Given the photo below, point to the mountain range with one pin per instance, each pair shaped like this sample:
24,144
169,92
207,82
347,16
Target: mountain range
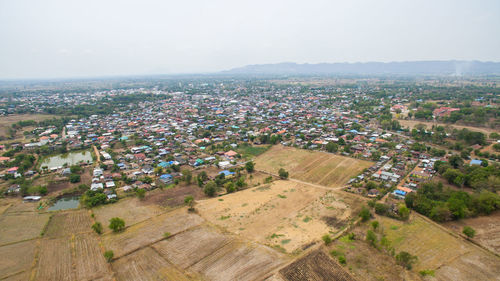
451,67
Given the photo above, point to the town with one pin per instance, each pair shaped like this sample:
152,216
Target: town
214,158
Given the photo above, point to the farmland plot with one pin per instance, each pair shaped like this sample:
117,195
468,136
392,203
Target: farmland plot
239,261
150,231
316,266
144,265
89,259
311,166
16,227
54,260
131,210
68,223
283,213
16,258
452,258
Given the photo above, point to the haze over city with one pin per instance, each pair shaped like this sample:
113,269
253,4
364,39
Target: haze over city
58,39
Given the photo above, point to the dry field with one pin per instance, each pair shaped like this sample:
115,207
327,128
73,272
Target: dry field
16,258
69,223
283,213
54,260
412,123
316,266
144,265
311,166
7,121
131,210
450,257
20,226
150,231
173,197
89,259
487,230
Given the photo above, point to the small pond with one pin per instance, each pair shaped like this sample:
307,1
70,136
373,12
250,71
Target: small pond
71,158
66,202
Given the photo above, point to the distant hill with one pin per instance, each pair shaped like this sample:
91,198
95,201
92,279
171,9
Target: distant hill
455,68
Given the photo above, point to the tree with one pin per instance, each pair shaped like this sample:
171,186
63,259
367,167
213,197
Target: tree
404,212
375,225
73,178
381,208
327,239
187,176
140,193
108,255
210,188
364,214
283,173
469,231
116,224
249,166
332,147
97,227
406,259
75,169
371,238
189,201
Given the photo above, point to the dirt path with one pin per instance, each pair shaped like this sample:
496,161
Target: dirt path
96,151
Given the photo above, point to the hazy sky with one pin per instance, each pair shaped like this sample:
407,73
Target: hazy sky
70,38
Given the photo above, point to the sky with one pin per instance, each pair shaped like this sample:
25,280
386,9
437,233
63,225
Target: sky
88,38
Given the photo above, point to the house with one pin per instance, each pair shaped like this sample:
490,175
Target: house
166,178
227,174
475,162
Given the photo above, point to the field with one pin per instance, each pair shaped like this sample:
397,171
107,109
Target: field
69,223
132,210
252,151
20,226
284,213
316,266
150,231
16,258
173,197
7,121
451,257
412,123
487,230
311,166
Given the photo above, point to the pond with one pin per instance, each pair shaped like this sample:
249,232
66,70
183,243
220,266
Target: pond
66,202
71,158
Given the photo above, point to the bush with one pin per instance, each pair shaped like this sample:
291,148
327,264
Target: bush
74,178
166,234
109,255
189,201
97,227
116,224
342,260
210,188
374,225
371,238
404,212
381,209
140,193
282,173
406,259
250,166
427,272
365,214
469,231
327,239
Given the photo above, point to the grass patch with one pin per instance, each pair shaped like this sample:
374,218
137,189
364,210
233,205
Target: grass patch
285,241
281,196
224,217
307,219
249,151
427,272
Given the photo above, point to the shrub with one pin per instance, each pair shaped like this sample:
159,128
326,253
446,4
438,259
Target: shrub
342,260
210,188
97,227
250,166
469,231
109,255
381,209
371,238
73,178
189,201
140,193
374,225
327,239
166,234
116,224
365,214
406,259
282,173
427,272
404,212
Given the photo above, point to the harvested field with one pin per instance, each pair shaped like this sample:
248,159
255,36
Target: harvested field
68,223
438,250
150,231
283,213
311,166
23,276
316,266
89,259
239,261
173,197
189,247
411,124
21,206
54,260
487,230
146,264
16,258
131,210
7,121
16,227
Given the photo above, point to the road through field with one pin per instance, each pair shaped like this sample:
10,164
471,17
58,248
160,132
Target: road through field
304,182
